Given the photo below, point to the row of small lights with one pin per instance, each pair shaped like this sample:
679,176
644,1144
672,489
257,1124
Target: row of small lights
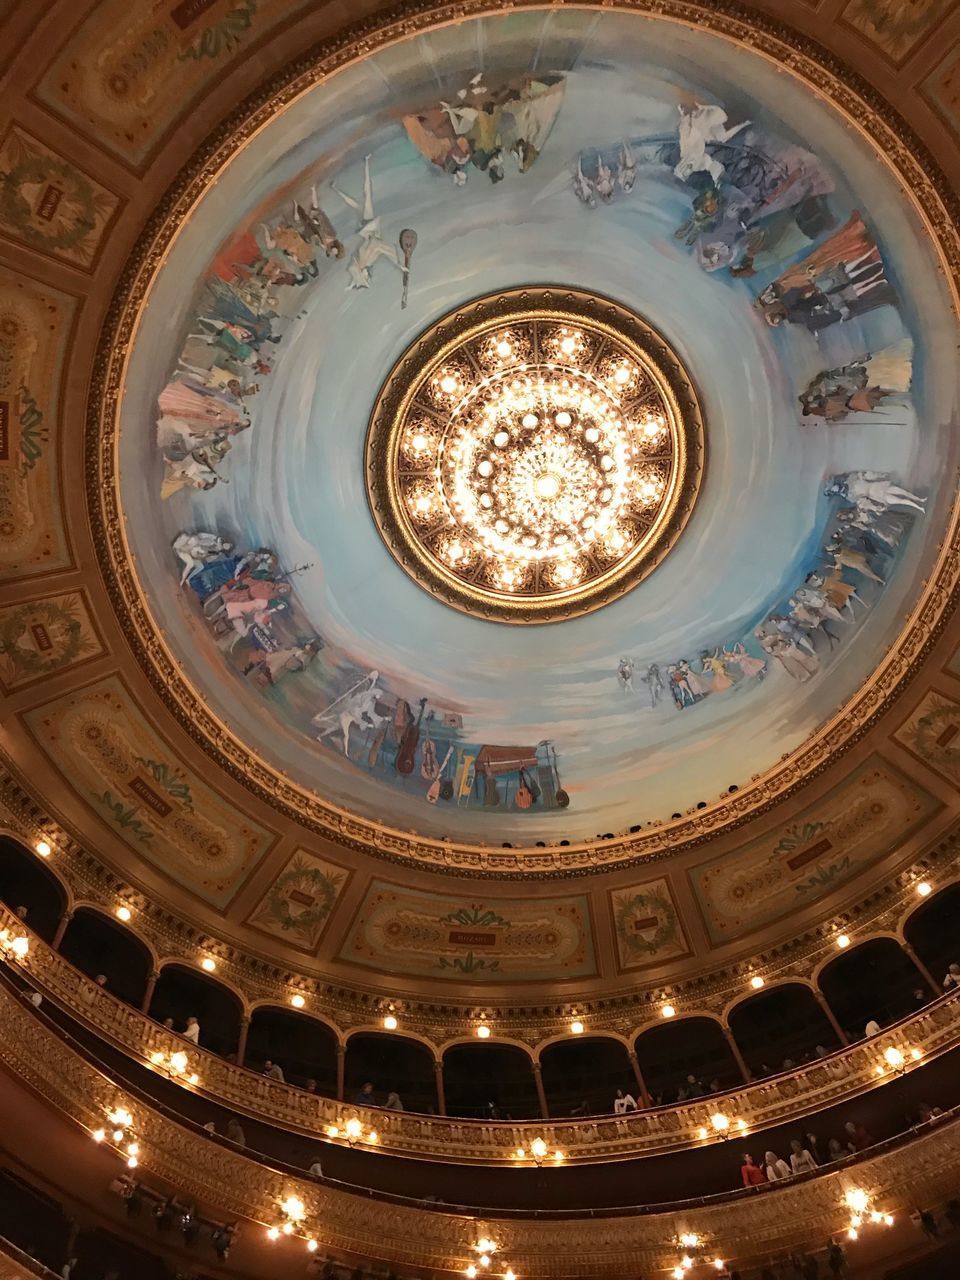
483,1029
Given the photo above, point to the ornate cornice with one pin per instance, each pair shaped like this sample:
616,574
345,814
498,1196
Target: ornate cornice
844,1075
856,101
748,1228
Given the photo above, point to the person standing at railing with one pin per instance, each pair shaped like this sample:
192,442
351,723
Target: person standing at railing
623,1103
192,1031
751,1174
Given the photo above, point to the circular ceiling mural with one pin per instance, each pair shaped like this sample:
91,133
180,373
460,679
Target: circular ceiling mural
534,455
666,169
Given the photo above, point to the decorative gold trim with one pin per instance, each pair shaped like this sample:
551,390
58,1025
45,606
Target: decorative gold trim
519,308
787,1097
749,1228
922,182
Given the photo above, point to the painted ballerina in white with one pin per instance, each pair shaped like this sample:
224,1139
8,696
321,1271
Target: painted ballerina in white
372,244
700,125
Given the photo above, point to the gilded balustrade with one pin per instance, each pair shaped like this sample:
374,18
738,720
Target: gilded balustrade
746,1227
790,1096
15,1265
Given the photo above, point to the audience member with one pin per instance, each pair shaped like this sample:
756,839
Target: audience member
192,1031
835,1150
235,1132
857,1137
774,1167
316,1169
273,1070
751,1174
168,1024
951,978
929,1224
393,1102
364,1096
310,1086
836,1259
623,1103
222,1238
801,1161
872,1028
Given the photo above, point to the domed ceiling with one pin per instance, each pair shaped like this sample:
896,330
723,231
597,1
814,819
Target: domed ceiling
666,171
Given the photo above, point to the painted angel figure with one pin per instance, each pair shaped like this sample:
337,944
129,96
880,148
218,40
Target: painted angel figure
372,244
701,124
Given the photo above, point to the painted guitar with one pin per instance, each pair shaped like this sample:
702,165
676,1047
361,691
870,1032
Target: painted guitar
407,751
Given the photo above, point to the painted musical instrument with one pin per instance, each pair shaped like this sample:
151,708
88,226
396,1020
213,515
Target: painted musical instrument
441,786
407,751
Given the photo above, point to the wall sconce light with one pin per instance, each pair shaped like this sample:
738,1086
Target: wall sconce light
667,1011
483,1031
297,1001
539,1152
924,888
390,1022
124,913
208,964
576,1027
352,1131
843,941
756,982
44,848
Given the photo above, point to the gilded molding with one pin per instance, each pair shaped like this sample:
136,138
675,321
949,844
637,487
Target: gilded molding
748,1228
932,1031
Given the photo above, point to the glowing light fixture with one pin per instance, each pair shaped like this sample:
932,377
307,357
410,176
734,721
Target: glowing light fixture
483,1031
390,1022
576,1027
756,982
297,1001
667,1011
843,941
924,888
689,1239
312,1246
294,1208
98,1135
20,947
43,848
124,913
273,1233
720,1122
208,964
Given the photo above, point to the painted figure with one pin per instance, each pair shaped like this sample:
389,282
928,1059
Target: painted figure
372,245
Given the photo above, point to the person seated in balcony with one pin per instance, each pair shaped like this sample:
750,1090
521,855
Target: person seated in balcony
857,1138
90,990
788,1064
695,1088
310,1086
623,1103
364,1096
928,1113
872,1028
316,1169
581,1109
167,1024
775,1168
393,1102
751,1174
801,1161
273,1071
836,1150
951,978
821,1051
234,1132
813,1147
191,1031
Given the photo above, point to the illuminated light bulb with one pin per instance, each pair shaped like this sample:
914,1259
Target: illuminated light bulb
509,1275
563,419
390,1022
843,941
689,1239
485,468
719,1263
686,1262
591,435
118,1135
888,1219
353,1127
178,1061
483,1031
756,982
156,1058
741,1125
558,1157
132,1162
98,1135
311,1246
448,384
287,1228
924,889
519,1153
332,1130
485,1245
194,1079
419,442
484,1260
546,486
893,1057
568,346
20,947
916,1055
208,964
853,1234
667,1011
43,848
876,1216
857,1200
294,1208
720,1122
701,1133
273,1233
677,1273
124,913
539,1148
297,1001
504,349
470,1271
133,1149
373,1137
577,1028
530,420
622,375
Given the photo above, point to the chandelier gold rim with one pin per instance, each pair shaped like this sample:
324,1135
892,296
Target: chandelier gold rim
553,304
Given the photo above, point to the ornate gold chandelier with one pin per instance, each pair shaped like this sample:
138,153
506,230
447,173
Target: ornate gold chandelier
534,455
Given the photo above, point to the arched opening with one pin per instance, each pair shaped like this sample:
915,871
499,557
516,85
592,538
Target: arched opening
581,1076
96,944
304,1048
29,888
489,1080
392,1064
183,993
671,1053
932,931
875,981
781,1027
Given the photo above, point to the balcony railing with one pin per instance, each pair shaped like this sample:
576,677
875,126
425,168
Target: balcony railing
790,1096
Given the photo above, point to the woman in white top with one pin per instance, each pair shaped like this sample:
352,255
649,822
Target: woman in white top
192,1031
775,1167
801,1161
624,1102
